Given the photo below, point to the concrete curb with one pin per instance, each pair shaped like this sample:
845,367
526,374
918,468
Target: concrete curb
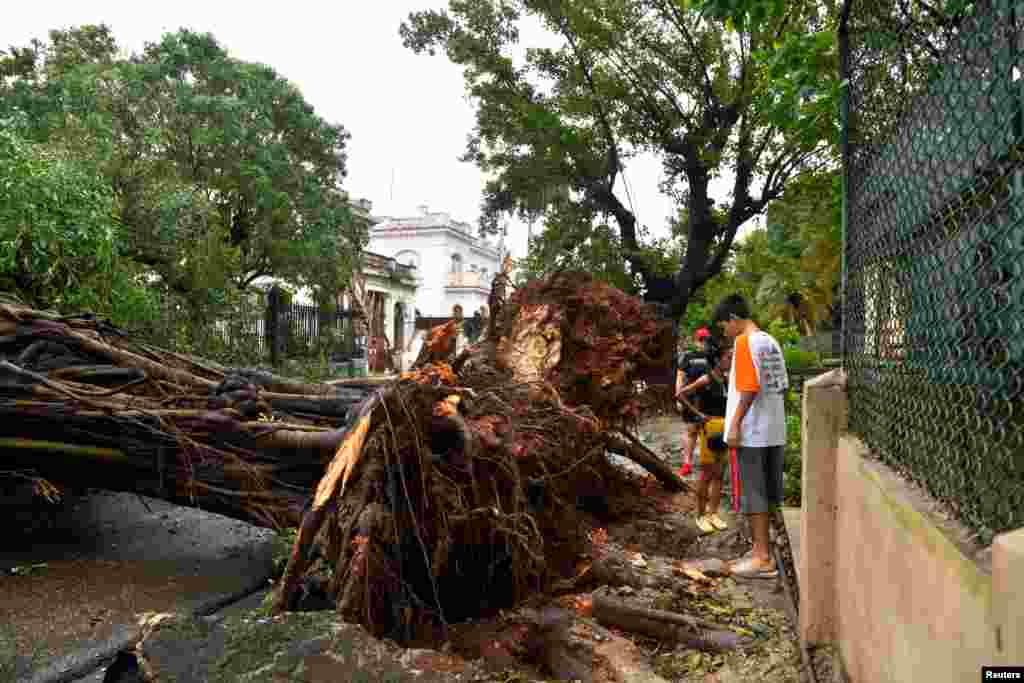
82,663
86,661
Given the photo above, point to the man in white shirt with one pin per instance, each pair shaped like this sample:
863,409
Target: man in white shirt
755,422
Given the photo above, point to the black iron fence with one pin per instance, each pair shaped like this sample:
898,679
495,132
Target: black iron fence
258,328
933,315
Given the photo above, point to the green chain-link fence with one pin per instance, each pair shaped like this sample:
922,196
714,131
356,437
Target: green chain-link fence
933,310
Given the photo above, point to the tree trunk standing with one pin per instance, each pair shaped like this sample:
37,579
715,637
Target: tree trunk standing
669,83
195,335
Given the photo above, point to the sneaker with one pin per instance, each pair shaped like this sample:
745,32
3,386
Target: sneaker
705,525
717,521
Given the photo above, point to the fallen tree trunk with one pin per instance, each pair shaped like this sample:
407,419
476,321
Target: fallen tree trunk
614,570
632,448
694,633
81,403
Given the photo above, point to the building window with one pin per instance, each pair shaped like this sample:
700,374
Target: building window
456,263
408,258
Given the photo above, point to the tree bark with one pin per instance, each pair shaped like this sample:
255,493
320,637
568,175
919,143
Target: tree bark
648,459
694,633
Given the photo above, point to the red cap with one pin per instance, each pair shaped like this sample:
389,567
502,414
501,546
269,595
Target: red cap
702,333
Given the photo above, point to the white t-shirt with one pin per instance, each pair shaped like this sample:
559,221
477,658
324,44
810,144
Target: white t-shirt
758,365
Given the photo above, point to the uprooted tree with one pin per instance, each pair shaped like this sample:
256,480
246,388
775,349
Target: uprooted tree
460,486
457,488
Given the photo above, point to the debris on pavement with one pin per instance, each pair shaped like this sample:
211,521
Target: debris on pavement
467,514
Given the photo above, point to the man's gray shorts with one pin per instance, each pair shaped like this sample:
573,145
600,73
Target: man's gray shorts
760,471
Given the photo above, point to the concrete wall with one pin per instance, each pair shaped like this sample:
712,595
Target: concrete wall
883,578
433,261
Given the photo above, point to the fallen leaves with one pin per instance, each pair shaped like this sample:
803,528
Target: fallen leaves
582,567
693,575
441,339
584,605
27,569
432,374
47,490
638,560
448,406
488,428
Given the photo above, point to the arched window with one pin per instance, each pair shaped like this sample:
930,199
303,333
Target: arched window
456,263
408,258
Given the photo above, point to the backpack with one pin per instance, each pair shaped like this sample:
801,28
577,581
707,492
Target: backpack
694,365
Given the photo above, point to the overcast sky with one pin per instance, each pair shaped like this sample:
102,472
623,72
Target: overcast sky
408,114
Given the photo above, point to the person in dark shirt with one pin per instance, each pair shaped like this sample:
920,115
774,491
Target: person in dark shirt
691,366
706,398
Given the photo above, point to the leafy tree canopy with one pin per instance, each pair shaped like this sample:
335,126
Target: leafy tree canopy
790,269
629,77
60,244
220,171
896,49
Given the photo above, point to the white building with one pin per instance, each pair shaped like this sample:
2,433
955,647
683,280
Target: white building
452,266
387,290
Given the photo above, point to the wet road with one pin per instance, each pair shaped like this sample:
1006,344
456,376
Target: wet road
108,558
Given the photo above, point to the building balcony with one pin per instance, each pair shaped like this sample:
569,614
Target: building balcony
470,279
387,267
